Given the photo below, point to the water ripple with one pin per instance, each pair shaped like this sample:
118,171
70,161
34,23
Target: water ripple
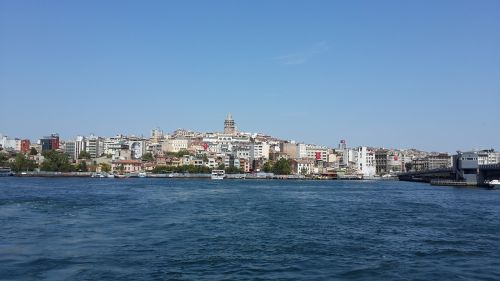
165,229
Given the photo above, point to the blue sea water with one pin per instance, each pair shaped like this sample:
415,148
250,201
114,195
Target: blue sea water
168,229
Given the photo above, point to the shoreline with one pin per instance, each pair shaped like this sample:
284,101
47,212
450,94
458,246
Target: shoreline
187,176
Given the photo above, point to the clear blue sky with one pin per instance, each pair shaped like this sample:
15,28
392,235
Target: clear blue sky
422,74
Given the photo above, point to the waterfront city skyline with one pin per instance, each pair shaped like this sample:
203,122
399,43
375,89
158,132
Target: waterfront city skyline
387,74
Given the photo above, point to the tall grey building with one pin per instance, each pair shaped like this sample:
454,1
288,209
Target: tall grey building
94,146
70,148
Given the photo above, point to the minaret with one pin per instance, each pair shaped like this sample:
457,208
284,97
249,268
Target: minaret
229,125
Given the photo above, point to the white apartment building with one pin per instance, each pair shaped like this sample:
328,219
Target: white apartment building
110,145
259,150
313,151
18,145
365,161
348,157
9,144
486,157
117,148
80,145
332,158
73,148
304,167
153,148
226,138
243,153
301,150
394,162
212,163
176,145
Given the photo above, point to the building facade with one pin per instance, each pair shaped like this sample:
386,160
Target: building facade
175,145
487,157
94,146
365,161
50,142
25,146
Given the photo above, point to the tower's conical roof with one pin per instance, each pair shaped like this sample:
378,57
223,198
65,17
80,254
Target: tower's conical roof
229,116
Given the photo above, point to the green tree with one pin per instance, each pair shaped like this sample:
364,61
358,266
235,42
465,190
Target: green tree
182,153
84,155
282,167
267,167
161,169
23,164
191,169
82,167
233,170
56,161
33,151
408,166
148,157
105,167
178,154
4,157
204,170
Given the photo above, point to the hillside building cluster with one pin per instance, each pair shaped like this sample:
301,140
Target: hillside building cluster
247,152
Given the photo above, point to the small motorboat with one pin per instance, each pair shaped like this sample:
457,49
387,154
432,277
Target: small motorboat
494,184
98,175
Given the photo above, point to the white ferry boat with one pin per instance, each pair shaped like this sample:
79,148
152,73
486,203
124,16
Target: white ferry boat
5,172
218,174
142,175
